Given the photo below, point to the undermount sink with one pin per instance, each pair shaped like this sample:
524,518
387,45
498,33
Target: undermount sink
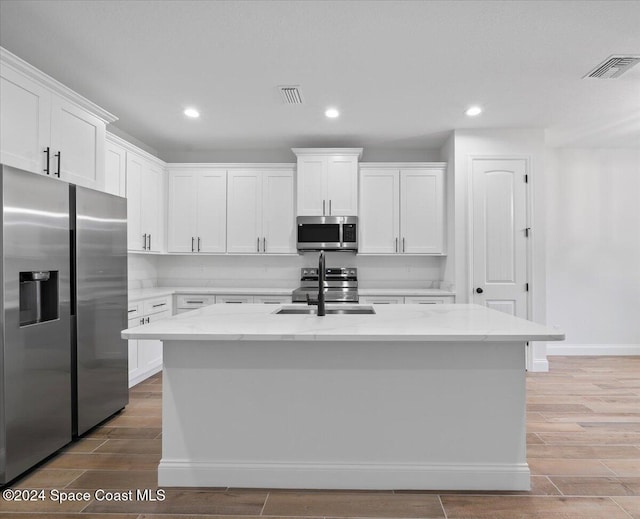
312,310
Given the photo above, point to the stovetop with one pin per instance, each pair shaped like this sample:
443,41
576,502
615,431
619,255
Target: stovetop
340,285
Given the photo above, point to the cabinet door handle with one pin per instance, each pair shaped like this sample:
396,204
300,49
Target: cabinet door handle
323,204
59,154
47,153
142,320
144,241
148,320
329,207
264,245
396,244
192,240
149,248
258,244
198,243
403,244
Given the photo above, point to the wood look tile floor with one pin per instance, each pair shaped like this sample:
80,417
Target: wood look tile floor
583,441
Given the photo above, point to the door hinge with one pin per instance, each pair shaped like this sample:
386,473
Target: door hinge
526,179
527,230
526,287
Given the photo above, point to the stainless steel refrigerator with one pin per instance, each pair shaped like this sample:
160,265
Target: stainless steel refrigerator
63,365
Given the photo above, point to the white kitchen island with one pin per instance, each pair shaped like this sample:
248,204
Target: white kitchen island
413,397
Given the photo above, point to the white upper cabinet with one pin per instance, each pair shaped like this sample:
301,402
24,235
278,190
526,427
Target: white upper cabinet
145,193
197,210
78,142
115,169
47,128
401,209
25,121
327,181
260,213
379,220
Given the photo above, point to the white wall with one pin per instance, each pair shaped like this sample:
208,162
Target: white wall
503,143
593,250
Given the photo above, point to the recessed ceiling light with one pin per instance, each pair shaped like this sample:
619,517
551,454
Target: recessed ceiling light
192,112
332,113
473,111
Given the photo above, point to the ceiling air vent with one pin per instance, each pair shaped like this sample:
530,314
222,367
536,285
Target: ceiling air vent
290,95
613,67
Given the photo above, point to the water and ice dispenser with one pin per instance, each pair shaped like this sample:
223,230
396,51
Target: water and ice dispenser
38,297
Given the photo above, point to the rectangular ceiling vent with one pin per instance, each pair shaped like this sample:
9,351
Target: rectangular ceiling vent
291,95
613,67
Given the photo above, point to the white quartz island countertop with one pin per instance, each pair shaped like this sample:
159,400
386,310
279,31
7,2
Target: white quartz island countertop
460,323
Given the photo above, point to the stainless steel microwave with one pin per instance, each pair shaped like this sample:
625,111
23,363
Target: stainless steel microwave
327,233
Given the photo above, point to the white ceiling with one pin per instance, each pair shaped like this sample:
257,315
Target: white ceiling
401,72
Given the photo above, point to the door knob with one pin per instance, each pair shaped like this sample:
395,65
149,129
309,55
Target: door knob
479,290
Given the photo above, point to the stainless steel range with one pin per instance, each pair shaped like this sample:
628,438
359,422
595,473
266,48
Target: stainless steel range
340,286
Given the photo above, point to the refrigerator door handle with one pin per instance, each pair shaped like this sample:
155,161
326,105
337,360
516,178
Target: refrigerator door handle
72,273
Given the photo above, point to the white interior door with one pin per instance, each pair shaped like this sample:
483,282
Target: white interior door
499,249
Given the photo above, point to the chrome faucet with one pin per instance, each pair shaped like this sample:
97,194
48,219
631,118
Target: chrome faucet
321,277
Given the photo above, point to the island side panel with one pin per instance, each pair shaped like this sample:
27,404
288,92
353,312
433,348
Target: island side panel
332,414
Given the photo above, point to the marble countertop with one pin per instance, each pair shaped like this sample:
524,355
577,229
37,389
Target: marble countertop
253,322
148,293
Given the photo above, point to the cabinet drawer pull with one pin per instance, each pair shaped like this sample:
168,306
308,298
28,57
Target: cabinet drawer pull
159,304
129,311
195,302
234,302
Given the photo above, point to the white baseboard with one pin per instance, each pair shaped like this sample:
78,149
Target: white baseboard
540,365
592,349
185,473
136,379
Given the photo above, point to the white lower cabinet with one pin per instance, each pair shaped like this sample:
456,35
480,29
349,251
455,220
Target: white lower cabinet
409,300
231,299
272,300
382,300
145,356
187,302
429,300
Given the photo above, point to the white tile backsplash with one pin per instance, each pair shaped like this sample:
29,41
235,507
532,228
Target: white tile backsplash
284,271
142,272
